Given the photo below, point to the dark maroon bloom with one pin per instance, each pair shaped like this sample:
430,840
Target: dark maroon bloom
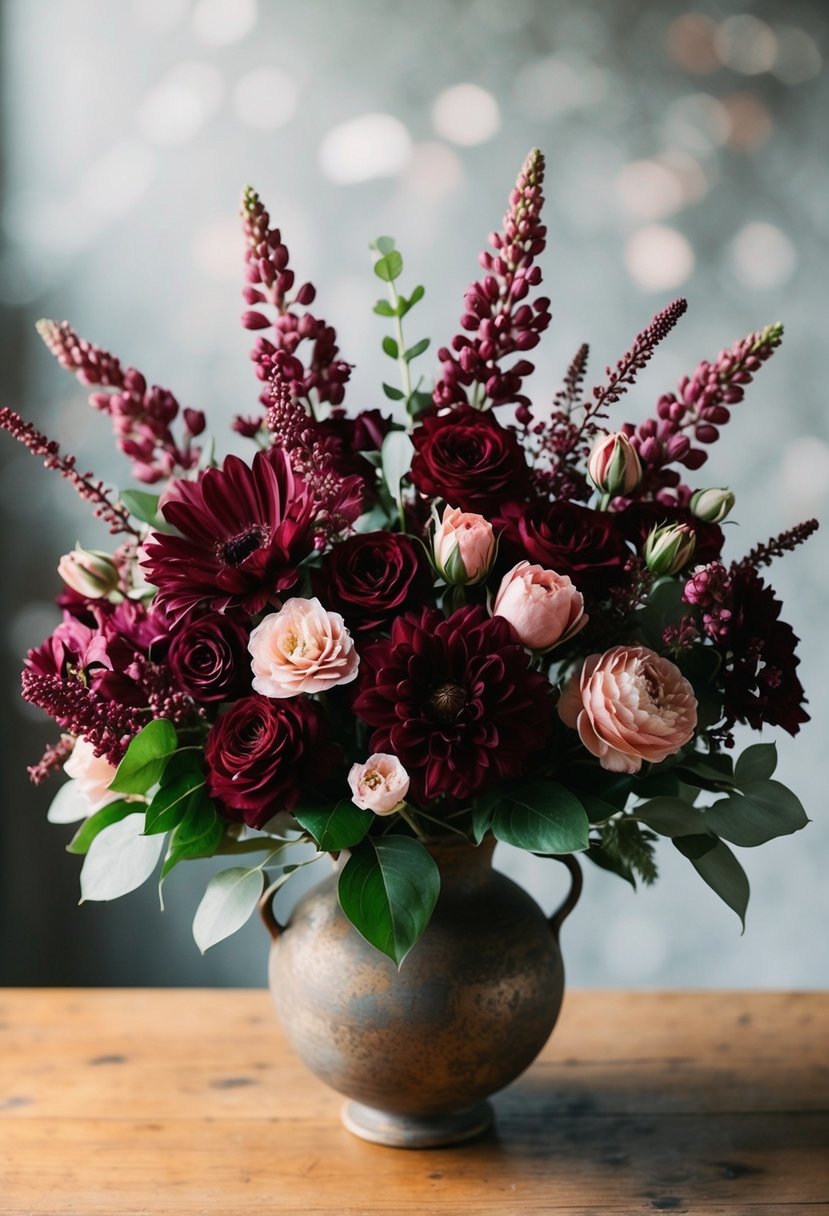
455,700
263,755
467,458
760,680
587,545
209,658
244,530
347,438
373,577
637,519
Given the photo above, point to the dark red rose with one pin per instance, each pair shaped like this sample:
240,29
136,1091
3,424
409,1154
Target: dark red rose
469,459
587,545
209,659
372,578
637,519
263,755
455,700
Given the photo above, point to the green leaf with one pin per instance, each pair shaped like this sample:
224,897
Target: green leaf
597,809
725,876
672,817
763,811
111,813
119,859
756,763
393,394
389,267
418,402
541,816
482,812
407,304
695,846
614,865
383,244
337,827
172,803
390,347
145,758
198,835
388,890
229,900
417,349
384,309
144,506
396,456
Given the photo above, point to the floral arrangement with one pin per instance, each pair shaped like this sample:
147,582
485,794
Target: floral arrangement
493,618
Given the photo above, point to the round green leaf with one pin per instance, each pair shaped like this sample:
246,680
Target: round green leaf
388,890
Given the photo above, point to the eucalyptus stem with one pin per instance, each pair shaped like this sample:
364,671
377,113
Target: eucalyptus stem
405,370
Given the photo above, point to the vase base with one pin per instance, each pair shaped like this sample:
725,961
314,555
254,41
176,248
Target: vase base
417,1131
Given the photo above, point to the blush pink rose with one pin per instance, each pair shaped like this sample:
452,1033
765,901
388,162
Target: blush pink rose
301,648
464,546
92,774
379,785
544,608
630,705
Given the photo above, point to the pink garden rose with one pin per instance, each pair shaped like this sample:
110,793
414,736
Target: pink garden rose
379,785
301,648
92,774
544,608
630,705
464,546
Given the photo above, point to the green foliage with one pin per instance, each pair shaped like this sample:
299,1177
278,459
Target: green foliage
145,758
671,817
89,829
721,870
396,458
388,267
119,859
541,816
144,506
173,802
763,811
756,763
337,827
630,847
388,889
228,902
199,834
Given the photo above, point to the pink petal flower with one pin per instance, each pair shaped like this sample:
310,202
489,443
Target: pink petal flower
379,785
544,608
301,648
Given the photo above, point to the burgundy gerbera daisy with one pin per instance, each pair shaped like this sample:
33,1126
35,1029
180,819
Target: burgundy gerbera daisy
243,531
455,700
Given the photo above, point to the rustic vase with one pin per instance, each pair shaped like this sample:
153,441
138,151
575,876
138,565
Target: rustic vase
418,1051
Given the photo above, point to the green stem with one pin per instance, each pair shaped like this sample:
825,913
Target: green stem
405,371
410,820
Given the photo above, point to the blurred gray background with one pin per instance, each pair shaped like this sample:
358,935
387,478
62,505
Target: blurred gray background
686,154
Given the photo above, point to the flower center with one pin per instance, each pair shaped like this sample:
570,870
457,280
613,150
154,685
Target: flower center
446,702
234,550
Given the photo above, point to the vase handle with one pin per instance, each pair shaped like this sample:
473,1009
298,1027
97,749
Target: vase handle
267,913
576,882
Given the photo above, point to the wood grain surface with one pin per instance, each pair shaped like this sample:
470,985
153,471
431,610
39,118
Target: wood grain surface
188,1102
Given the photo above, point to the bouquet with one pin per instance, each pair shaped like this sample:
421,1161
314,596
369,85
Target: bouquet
461,611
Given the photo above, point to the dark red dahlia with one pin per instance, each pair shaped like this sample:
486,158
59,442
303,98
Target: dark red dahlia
263,755
587,545
243,531
467,458
373,577
455,700
760,678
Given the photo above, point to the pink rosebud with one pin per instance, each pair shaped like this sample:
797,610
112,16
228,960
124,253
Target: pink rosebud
630,705
92,774
669,548
613,464
379,785
464,547
712,506
89,572
301,648
544,608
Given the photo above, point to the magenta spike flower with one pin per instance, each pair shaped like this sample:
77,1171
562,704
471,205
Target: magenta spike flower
499,321
106,724
318,375
244,529
141,416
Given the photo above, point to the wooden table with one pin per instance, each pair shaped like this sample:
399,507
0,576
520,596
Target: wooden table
188,1102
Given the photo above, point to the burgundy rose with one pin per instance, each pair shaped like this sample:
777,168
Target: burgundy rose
456,701
587,545
637,519
467,458
209,659
262,755
371,578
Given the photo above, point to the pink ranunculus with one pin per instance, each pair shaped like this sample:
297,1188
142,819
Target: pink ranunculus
92,773
630,705
464,546
379,785
544,608
301,648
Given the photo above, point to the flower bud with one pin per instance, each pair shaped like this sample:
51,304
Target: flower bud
89,572
712,506
613,464
463,547
544,608
379,785
669,548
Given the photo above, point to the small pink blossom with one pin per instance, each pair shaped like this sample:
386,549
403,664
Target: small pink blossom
630,705
613,464
89,572
91,773
379,785
544,608
301,648
464,546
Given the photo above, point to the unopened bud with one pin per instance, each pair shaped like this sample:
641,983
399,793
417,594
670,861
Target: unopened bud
613,465
669,548
712,506
89,572
463,547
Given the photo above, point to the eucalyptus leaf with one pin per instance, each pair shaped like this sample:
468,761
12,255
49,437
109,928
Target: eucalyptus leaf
383,244
725,876
389,267
396,456
228,902
119,859
672,817
145,758
756,763
111,813
762,812
337,827
390,347
384,309
417,349
393,394
69,804
542,817
388,889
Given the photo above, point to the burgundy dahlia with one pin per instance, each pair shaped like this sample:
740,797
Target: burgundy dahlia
587,545
373,577
455,700
209,658
467,458
244,529
263,755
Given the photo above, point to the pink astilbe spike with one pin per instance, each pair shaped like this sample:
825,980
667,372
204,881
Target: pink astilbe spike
499,321
314,373
106,724
85,485
141,415
53,758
